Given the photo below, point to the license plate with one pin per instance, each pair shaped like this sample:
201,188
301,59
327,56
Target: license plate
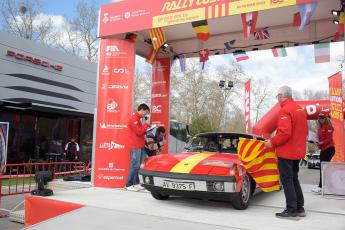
178,185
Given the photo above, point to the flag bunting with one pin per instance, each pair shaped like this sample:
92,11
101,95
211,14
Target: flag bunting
261,34
260,162
201,30
132,37
240,55
249,22
321,52
306,12
230,44
279,52
157,36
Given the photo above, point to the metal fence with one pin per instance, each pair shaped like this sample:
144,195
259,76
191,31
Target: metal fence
19,178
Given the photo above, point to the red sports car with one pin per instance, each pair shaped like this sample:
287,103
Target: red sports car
208,169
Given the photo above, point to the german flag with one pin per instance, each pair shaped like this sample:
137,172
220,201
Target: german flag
201,30
157,36
260,162
152,55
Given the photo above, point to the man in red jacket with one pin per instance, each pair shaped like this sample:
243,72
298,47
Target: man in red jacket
290,144
137,129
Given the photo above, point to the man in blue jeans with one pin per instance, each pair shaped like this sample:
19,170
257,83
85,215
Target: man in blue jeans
138,124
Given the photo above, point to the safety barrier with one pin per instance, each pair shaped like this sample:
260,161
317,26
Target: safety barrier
19,178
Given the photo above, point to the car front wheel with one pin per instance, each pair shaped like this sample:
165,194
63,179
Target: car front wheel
159,196
241,201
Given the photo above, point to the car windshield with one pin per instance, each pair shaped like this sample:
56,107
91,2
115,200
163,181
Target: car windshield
213,144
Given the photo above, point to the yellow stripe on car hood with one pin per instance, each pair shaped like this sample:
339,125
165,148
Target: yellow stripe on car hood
186,165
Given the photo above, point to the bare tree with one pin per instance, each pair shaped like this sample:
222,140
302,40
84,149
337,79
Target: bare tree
261,92
23,19
142,84
83,30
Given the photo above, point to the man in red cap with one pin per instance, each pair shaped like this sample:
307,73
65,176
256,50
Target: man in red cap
290,143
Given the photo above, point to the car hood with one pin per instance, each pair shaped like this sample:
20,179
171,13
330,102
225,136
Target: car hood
193,163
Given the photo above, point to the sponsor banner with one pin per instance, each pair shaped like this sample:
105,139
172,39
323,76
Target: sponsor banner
336,106
247,105
4,126
135,15
115,86
160,107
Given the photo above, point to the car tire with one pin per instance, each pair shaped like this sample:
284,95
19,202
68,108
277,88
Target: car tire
159,196
241,200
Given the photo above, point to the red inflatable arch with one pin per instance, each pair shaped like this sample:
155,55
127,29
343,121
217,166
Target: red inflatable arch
268,123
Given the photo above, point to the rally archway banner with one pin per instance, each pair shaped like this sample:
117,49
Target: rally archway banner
114,107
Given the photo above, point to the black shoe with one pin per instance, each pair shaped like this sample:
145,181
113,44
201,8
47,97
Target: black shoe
301,212
287,215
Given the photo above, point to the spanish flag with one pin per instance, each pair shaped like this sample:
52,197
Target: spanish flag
157,36
152,55
201,30
260,162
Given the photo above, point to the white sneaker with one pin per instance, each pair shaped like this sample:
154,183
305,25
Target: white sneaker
317,190
139,187
132,188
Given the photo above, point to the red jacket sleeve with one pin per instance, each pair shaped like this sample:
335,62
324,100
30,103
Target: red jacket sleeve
284,129
136,126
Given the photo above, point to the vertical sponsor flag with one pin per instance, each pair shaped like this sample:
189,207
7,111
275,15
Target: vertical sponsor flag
279,52
261,34
249,22
160,91
240,55
306,12
260,162
114,106
321,52
151,57
157,36
336,105
201,30
229,44
247,105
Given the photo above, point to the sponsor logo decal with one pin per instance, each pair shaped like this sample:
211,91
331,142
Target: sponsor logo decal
157,109
105,70
158,95
111,145
111,126
111,106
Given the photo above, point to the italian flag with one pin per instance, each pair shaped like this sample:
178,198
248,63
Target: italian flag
321,53
279,52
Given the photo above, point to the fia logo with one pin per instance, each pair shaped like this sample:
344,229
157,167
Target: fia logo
112,50
105,18
111,106
157,109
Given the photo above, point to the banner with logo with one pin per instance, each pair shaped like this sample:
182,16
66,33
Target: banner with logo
160,96
247,105
336,106
4,126
114,106
134,15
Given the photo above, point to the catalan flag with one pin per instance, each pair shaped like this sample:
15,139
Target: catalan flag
201,30
157,36
260,162
152,55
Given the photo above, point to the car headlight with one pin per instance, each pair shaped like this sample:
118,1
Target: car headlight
218,186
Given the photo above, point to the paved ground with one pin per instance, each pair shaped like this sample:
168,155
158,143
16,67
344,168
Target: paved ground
307,176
